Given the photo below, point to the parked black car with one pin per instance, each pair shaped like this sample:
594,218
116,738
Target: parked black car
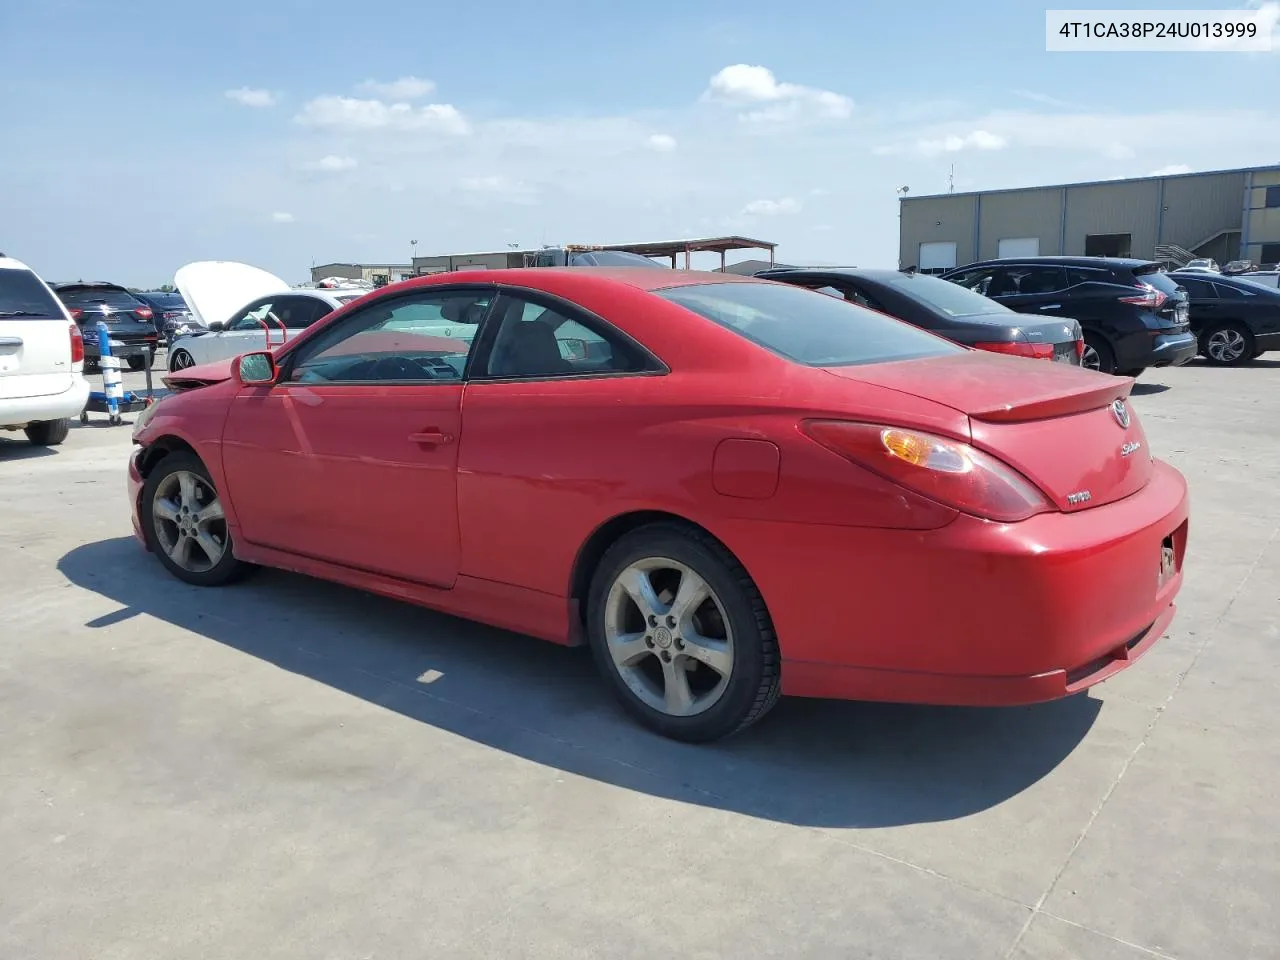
1234,319
1134,316
944,308
129,320
170,313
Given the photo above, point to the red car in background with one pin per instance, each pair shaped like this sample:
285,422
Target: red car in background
730,488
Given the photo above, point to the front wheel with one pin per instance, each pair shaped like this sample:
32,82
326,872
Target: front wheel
180,360
1227,345
183,521
48,433
681,634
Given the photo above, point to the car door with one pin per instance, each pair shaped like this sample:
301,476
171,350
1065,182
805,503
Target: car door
1202,296
1259,311
556,397
351,456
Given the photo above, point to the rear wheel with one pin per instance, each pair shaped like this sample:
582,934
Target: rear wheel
1098,354
181,360
48,433
137,363
681,634
183,521
1227,344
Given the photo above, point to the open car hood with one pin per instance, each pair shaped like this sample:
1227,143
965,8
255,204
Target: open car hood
216,289
203,375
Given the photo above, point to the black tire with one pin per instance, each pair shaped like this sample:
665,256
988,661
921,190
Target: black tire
1135,372
755,678
1106,362
179,360
228,569
1245,340
48,433
137,363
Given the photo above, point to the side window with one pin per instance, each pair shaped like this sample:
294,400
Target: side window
862,298
1031,280
1230,293
251,318
534,340
422,337
1079,275
298,313
979,281
1198,289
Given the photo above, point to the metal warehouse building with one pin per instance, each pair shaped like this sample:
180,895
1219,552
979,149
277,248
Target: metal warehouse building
1223,214
374,273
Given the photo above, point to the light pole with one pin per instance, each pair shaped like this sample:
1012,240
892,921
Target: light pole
413,252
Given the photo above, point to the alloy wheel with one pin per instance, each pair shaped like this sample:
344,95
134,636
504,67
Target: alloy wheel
669,637
1225,345
1090,359
181,360
189,523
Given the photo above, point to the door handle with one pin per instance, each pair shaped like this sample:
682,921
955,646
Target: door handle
430,437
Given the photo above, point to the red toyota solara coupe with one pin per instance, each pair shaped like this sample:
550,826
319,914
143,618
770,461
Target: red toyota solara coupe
729,488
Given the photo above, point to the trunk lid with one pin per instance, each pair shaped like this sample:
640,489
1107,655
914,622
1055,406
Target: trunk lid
1068,430
35,337
216,289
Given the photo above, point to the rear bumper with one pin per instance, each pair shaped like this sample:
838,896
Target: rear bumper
20,411
974,613
1173,350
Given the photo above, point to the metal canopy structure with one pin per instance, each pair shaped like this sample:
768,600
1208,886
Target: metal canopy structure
673,248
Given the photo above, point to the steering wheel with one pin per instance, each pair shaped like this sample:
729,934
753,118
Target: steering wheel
395,368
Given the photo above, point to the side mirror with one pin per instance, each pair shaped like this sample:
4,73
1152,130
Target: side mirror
217,325
255,369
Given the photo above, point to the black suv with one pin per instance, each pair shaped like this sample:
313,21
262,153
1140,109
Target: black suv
129,321
1133,314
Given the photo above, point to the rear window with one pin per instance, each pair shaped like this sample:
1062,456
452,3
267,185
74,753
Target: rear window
24,297
116,297
1156,276
950,298
806,326
166,301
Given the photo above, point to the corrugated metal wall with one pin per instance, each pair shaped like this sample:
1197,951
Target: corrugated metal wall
1131,208
932,219
1183,210
1022,213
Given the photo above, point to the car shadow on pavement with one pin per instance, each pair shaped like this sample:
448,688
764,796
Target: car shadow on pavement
12,451
1147,389
813,763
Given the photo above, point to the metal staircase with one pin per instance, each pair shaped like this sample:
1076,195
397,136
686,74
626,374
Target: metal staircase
1173,255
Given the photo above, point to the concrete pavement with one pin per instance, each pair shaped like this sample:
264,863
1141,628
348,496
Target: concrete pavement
291,769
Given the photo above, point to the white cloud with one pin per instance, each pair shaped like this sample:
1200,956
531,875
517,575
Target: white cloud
771,208
1172,170
249,97
281,217
977,140
1268,20
773,101
332,163
406,88
661,142
499,188
350,113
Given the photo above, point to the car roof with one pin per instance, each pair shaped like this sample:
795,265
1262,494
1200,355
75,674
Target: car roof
879,274
567,278
1059,261
9,263
88,285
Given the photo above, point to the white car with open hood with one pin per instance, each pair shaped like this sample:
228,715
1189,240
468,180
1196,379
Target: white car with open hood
245,309
42,382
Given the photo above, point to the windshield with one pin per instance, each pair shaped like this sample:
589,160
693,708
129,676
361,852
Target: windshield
806,326
951,298
165,301
24,297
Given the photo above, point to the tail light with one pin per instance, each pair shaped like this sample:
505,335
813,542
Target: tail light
1080,348
77,344
948,471
143,313
76,312
1151,298
1037,351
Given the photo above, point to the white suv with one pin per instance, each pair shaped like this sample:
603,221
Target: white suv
42,381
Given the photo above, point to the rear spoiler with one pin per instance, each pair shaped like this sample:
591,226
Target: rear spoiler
1058,406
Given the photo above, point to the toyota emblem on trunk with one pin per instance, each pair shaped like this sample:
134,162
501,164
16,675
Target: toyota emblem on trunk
1121,413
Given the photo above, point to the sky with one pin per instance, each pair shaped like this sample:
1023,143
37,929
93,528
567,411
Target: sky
139,135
